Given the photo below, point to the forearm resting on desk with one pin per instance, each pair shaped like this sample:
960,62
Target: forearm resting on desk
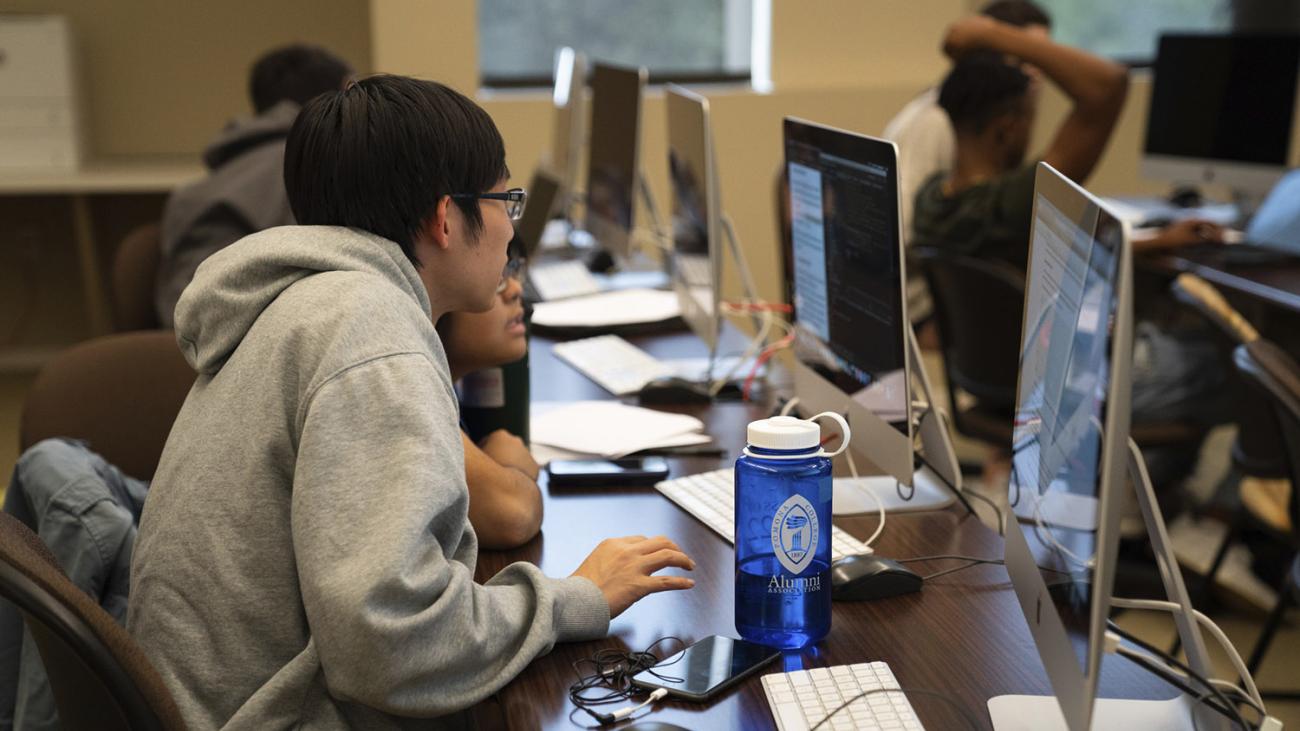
505,505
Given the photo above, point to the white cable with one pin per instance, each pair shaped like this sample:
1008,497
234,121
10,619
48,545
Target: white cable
1206,622
853,470
756,345
1040,528
789,406
623,713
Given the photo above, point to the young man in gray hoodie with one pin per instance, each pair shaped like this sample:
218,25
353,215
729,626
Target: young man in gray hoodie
305,556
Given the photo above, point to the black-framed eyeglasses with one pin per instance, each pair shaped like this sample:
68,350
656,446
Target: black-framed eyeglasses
514,270
515,199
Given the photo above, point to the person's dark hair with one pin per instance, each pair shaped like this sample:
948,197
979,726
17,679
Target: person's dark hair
981,87
295,73
1019,13
379,155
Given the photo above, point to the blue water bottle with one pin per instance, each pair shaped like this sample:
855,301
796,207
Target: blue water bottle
783,532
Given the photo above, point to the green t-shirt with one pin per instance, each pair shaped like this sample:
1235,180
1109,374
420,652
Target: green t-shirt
990,220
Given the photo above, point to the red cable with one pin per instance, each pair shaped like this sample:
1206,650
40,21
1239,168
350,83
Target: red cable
763,357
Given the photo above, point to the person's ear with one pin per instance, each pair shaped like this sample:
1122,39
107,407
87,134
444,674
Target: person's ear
438,225
1002,130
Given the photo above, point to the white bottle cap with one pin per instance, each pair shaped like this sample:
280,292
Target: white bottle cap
784,432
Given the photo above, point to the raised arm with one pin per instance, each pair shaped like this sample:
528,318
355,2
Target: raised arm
1096,87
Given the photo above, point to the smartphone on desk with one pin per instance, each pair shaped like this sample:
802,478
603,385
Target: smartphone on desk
606,472
706,668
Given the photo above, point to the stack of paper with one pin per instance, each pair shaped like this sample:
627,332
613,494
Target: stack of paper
607,429
608,309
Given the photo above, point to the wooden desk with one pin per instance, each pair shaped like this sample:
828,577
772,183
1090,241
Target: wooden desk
1276,284
963,635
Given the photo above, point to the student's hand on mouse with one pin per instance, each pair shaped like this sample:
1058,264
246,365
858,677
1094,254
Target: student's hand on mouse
509,450
1187,232
968,34
623,569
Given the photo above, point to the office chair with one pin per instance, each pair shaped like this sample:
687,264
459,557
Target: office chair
99,676
1270,370
1257,451
977,309
121,393
135,271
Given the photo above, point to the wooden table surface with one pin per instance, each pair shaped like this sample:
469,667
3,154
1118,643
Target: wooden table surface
963,634
1275,283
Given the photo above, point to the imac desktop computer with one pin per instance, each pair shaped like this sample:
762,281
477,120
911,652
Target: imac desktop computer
569,101
1223,110
694,262
854,349
1070,452
612,172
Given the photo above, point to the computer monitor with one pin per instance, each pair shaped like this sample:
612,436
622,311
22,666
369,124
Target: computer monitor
694,260
543,190
612,155
1070,433
850,315
1072,461
567,134
1223,109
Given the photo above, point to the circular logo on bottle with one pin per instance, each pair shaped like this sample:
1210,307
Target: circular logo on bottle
794,534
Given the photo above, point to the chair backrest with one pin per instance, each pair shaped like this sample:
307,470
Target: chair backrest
99,676
121,393
977,307
135,272
1276,374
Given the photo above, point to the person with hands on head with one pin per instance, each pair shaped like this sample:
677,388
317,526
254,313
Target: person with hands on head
983,208
922,130
305,558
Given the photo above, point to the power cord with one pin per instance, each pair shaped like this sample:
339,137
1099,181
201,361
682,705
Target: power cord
1149,664
1223,705
963,710
1238,664
957,492
611,678
971,561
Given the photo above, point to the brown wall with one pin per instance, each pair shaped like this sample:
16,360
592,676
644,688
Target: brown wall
161,76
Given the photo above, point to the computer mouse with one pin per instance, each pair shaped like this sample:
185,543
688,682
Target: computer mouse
1185,197
600,261
673,390
862,578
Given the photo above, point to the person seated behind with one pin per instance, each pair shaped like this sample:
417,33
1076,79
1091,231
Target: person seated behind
982,207
505,504
304,556
922,130
244,190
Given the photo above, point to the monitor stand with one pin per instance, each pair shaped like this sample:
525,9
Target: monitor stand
930,484
1042,713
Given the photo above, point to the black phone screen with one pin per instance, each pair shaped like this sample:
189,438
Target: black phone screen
706,666
631,471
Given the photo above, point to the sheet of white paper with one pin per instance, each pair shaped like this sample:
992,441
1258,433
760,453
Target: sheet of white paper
543,453
681,440
608,427
621,307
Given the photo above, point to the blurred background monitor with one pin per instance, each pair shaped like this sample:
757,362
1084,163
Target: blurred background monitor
612,156
1223,110
695,215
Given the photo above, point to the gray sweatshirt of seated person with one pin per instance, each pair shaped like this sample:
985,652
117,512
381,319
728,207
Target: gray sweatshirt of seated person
305,556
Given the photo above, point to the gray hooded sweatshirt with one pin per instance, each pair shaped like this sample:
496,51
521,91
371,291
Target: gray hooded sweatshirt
305,556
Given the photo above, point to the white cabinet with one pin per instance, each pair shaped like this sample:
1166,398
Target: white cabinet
40,127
